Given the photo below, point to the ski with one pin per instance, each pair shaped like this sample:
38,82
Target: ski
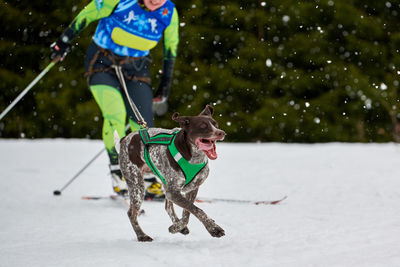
122,199
240,201
198,200
117,197
95,197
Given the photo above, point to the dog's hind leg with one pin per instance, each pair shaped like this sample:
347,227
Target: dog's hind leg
135,183
132,214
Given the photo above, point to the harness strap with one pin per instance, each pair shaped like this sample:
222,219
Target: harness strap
161,139
119,61
189,170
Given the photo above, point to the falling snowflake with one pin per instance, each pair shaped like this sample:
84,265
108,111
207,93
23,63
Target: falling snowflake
285,18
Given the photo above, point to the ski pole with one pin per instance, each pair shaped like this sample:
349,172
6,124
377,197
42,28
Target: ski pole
21,95
58,192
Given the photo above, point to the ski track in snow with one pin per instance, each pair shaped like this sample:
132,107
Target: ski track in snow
342,208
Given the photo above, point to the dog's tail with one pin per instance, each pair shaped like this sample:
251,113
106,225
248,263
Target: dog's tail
117,140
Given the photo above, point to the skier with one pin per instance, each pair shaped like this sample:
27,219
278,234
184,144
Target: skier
127,30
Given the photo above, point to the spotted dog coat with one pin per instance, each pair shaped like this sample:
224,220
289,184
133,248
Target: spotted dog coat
195,141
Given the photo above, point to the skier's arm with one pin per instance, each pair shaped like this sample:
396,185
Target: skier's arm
95,10
171,40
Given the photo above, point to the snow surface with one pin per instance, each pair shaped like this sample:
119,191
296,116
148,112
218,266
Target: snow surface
343,208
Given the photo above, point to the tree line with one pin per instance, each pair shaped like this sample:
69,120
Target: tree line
282,71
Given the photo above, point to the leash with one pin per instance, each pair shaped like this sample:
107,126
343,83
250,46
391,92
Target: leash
120,75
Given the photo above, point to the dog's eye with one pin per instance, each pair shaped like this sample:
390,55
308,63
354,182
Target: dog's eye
203,125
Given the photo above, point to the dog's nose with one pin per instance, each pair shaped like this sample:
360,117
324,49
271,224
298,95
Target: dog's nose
220,134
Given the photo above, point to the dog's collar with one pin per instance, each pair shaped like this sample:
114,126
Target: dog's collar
189,170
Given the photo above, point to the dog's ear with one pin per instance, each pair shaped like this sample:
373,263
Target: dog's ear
175,116
183,121
207,111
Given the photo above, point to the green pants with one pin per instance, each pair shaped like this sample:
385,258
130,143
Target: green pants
113,101
114,113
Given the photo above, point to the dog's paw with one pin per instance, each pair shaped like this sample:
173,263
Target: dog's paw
173,229
184,231
216,231
178,228
145,238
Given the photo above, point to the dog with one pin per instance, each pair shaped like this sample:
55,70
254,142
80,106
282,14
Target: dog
180,158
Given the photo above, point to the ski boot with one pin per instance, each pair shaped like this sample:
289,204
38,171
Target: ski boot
154,190
118,181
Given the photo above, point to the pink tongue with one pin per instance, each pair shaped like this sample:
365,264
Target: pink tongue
212,153
209,149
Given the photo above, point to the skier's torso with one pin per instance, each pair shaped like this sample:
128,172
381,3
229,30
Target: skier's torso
132,31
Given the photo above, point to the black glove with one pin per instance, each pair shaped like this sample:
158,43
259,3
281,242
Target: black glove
160,105
163,88
59,49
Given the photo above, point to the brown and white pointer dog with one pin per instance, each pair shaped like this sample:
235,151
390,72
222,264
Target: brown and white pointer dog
196,142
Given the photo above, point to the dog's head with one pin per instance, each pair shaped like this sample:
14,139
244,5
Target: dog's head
201,130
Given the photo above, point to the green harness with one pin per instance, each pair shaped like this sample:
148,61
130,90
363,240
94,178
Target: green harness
189,170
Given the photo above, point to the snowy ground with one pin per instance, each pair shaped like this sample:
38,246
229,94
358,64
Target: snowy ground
343,209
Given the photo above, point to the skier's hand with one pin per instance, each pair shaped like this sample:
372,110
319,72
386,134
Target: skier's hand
59,50
160,105
163,88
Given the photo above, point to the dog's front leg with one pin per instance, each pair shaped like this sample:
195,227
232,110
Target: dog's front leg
191,196
177,225
180,225
211,226
169,207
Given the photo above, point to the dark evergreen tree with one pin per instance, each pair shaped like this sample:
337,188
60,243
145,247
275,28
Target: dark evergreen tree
291,71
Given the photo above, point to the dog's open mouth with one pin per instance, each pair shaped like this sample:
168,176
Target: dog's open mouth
208,146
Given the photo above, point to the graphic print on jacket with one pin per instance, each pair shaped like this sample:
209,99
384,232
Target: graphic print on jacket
132,31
